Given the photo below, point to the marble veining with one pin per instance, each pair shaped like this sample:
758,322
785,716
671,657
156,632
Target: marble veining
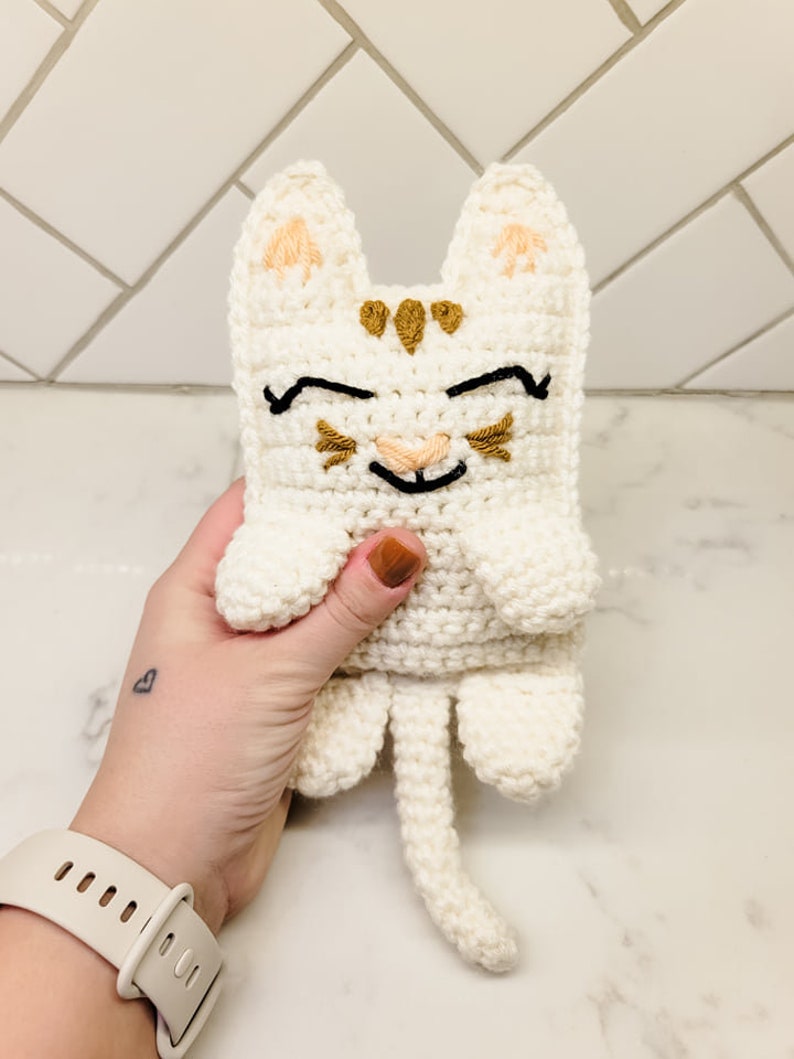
653,893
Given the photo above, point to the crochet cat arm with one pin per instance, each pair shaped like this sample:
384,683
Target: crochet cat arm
278,565
536,568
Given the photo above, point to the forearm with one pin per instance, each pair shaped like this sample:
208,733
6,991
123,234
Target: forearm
58,998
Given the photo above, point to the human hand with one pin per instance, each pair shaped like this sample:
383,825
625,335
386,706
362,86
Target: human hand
208,723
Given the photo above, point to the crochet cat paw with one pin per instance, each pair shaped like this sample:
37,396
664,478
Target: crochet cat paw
519,729
276,568
537,569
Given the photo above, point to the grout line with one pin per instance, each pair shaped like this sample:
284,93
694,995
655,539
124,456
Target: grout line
104,318
642,34
196,389
176,388
44,68
244,188
675,392
342,59
739,345
712,200
338,13
110,311
18,364
45,226
746,200
707,392
626,15
53,12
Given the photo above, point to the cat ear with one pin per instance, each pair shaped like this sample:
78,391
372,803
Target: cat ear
512,240
299,253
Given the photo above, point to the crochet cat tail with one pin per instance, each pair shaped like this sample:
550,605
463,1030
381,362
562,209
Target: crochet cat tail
420,730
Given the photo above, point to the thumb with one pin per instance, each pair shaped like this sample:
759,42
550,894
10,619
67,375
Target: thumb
378,575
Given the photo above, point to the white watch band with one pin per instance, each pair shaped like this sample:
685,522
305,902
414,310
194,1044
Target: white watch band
162,948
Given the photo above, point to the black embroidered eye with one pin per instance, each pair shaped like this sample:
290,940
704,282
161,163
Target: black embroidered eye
540,390
281,404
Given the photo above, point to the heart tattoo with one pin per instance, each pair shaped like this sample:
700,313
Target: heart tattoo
143,685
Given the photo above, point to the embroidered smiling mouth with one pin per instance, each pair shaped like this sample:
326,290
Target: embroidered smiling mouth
418,484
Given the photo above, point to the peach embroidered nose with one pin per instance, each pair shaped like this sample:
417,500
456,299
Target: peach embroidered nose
401,459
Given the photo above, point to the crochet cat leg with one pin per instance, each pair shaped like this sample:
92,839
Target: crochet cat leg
519,727
344,736
420,728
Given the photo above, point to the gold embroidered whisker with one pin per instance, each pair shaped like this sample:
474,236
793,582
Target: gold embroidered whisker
340,445
488,440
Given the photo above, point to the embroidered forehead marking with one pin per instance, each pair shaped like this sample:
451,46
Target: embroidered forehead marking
489,440
339,445
373,317
410,323
518,240
289,245
447,315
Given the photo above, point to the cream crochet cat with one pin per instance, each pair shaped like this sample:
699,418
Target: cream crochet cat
452,410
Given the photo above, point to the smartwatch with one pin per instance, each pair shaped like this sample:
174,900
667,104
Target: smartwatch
163,950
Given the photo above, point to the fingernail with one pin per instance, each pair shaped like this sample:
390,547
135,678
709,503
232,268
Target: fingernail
392,562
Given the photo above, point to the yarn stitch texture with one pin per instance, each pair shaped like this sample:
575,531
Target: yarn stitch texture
471,441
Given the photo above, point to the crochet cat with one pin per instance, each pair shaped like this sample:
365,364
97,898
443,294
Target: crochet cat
452,410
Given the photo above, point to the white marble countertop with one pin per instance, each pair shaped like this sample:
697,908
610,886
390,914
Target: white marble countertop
654,894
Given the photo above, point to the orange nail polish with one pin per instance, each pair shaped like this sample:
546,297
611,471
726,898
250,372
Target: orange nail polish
392,562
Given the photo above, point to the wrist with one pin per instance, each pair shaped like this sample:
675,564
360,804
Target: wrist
169,857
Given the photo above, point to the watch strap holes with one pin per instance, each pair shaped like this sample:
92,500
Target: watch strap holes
191,978
107,896
85,882
165,944
128,912
63,871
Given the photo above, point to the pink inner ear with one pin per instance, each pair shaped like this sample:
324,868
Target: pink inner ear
519,240
290,245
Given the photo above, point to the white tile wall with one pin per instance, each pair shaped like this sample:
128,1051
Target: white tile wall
691,107
766,363
772,190
405,212
153,111
48,297
26,35
491,71
174,331
149,111
681,306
